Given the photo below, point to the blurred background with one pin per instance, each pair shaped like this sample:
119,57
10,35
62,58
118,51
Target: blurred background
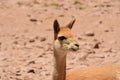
26,35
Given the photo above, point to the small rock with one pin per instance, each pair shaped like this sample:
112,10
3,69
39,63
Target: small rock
37,37
61,15
43,39
18,79
41,21
95,40
25,43
31,62
89,34
95,5
40,56
77,2
106,30
65,8
31,71
0,43
47,48
15,42
18,74
28,15
47,74
16,37
100,22
32,40
33,20
90,51
79,38
96,46
18,71
48,29
108,5
41,68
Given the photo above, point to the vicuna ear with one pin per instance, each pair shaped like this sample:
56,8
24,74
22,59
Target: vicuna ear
70,25
56,29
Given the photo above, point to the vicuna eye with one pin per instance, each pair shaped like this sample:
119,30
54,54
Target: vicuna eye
62,38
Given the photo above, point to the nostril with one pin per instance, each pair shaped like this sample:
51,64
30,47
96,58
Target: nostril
77,45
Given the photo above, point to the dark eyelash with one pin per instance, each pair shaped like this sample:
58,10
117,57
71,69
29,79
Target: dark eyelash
62,38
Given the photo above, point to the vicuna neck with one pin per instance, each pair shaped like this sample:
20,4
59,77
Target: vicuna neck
59,65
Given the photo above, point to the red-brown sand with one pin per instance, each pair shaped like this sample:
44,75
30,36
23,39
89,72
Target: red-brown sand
26,35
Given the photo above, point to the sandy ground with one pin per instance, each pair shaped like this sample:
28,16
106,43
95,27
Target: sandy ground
26,35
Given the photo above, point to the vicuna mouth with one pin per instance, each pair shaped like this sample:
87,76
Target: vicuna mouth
73,49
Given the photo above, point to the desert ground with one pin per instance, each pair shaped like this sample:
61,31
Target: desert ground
26,35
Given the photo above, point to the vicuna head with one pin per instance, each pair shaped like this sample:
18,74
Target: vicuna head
64,39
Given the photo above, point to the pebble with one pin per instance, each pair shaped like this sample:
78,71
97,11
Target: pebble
80,38
106,30
100,22
33,20
96,46
99,55
31,40
31,62
90,34
18,74
43,39
31,71
0,43
61,15
47,48
15,42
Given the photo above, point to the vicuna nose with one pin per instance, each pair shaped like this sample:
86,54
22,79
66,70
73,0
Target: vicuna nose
77,45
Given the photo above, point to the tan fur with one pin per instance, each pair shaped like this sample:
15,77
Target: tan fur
64,31
106,72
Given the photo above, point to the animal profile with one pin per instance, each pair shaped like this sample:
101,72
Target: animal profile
65,41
